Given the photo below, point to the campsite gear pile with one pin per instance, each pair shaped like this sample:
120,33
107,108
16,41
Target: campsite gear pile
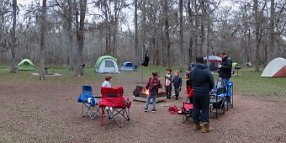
218,102
113,104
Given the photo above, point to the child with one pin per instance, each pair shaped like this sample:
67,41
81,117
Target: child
153,85
189,90
168,83
107,81
177,82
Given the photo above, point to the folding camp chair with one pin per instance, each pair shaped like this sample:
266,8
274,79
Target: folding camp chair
217,100
187,111
89,103
114,105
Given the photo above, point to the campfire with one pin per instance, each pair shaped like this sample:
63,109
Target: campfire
141,91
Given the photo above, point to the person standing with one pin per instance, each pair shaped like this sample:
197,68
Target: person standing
202,82
224,70
168,83
177,82
153,86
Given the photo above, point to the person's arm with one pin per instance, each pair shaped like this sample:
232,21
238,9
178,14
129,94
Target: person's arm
148,84
160,85
227,65
190,80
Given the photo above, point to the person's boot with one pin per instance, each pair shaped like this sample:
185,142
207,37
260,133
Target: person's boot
205,127
197,126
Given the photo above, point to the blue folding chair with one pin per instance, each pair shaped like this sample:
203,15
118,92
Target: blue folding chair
89,103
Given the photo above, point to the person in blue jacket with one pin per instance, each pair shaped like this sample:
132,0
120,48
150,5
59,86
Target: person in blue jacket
177,82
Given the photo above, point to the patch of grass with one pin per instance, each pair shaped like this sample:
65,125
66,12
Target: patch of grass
250,83
247,83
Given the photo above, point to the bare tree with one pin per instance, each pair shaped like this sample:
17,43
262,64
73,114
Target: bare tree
80,37
13,37
43,40
181,36
271,34
166,31
136,31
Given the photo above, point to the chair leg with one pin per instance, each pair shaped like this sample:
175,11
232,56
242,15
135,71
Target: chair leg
82,108
102,114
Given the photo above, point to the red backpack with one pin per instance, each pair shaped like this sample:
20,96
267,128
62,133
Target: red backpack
173,109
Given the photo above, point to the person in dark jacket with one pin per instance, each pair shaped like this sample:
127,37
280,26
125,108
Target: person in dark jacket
224,70
202,82
177,82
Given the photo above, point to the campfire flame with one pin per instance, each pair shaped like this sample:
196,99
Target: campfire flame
147,92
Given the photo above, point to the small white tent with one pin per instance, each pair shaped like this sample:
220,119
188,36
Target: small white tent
275,68
106,64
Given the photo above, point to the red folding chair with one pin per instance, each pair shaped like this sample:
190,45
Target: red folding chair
114,104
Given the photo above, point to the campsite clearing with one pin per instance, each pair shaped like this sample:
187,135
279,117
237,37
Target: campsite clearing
47,111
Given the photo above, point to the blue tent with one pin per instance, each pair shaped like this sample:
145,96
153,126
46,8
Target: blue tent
128,66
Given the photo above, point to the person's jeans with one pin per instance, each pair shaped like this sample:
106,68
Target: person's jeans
168,90
225,85
177,92
200,108
152,96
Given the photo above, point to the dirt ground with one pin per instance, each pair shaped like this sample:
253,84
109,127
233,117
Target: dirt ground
45,112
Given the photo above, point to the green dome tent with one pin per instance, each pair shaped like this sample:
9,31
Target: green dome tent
106,64
26,65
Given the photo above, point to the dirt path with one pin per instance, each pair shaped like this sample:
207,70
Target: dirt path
43,112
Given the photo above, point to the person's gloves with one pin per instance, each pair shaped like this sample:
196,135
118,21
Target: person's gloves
219,66
180,89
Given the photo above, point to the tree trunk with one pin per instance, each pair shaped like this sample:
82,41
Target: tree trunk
257,29
13,37
196,30
249,52
166,31
272,54
181,37
208,37
192,33
115,29
137,57
70,36
202,27
43,40
80,38
144,30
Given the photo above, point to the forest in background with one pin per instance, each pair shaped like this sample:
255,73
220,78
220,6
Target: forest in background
175,32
